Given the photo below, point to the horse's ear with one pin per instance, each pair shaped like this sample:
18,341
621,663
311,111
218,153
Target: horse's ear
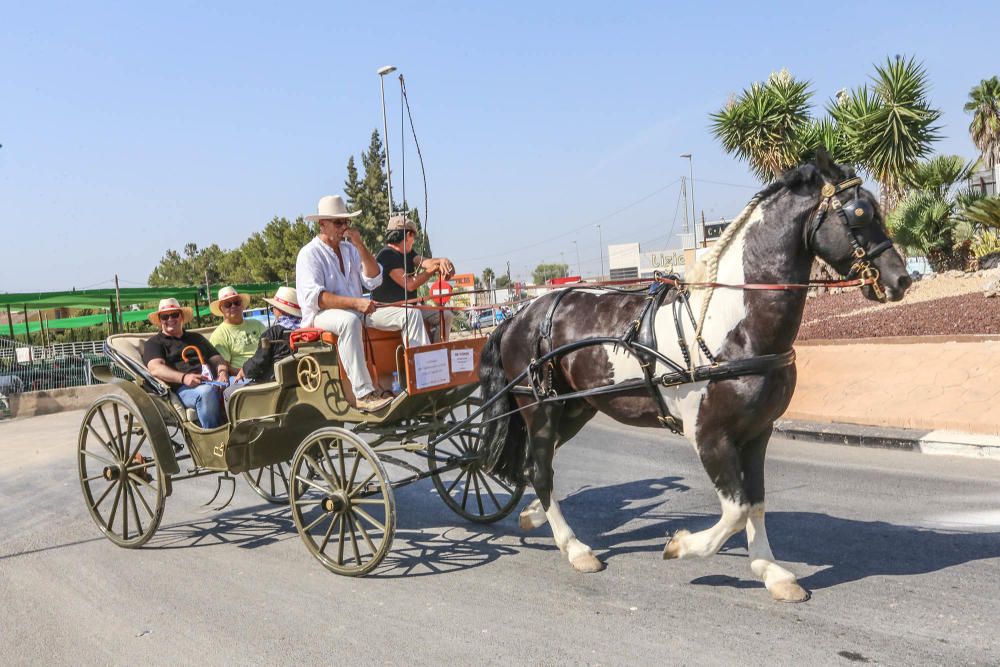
825,162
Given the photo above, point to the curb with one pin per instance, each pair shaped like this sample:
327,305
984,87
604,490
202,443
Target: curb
937,442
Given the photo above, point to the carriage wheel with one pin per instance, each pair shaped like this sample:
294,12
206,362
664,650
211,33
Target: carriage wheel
270,482
342,503
123,486
469,490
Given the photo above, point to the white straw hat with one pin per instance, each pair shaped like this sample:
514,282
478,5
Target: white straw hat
287,301
169,306
331,207
225,294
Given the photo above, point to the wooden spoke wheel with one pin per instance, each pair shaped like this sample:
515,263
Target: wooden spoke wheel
341,500
270,482
468,489
123,486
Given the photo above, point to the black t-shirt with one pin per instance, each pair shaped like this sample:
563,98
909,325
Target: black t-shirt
168,348
390,291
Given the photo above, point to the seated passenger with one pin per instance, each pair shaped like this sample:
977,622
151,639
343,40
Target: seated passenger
330,274
162,356
274,341
237,338
407,271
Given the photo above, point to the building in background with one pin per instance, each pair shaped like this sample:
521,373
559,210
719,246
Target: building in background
627,261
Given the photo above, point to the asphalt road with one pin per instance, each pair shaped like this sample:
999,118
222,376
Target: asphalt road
901,552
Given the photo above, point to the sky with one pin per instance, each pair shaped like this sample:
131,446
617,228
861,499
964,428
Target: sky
128,129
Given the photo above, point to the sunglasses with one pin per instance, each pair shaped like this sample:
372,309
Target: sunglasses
341,223
230,304
171,315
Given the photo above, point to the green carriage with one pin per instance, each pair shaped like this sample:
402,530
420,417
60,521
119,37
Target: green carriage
297,440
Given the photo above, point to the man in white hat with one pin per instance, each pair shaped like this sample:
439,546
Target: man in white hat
163,356
405,271
331,273
237,338
273,346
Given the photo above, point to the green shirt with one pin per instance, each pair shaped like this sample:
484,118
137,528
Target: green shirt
237,342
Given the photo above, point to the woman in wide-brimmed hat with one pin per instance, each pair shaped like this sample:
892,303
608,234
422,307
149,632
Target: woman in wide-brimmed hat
163,356
288,318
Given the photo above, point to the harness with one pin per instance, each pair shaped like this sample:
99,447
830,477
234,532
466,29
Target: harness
857,216
639,338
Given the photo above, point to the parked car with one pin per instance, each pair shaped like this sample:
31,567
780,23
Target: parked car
11,384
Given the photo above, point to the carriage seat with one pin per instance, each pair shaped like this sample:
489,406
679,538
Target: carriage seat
130,345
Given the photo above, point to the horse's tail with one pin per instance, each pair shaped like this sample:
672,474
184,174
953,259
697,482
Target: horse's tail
505,437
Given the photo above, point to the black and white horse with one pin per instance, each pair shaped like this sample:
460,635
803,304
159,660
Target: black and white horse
729,422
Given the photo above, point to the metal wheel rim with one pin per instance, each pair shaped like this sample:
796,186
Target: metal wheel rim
341,501
470,491
124,495
270,482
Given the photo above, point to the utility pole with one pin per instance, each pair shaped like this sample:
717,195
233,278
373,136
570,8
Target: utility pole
579,270
118,305
684,195
600,242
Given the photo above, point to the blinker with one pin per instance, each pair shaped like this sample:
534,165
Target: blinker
859,213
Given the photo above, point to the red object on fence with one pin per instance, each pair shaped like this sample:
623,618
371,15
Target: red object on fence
564,281
440,292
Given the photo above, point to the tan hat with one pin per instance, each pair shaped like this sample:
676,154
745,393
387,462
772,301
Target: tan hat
170,306
225,294
287,301
399,222
331,207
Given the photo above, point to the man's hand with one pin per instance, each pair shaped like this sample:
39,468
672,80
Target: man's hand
354,236
240,376
191,380
446,268
364,306
223,375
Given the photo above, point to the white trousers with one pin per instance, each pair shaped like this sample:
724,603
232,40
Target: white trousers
395,318
346,324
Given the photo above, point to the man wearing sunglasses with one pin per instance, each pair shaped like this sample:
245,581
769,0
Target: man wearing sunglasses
331,274
163,356
237,338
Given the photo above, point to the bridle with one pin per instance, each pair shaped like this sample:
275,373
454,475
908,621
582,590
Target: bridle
857,216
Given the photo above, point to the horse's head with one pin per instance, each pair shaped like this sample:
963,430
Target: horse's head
848,232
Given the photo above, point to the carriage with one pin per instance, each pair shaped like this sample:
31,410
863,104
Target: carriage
297,440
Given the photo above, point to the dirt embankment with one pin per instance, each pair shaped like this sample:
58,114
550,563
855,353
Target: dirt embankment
942,305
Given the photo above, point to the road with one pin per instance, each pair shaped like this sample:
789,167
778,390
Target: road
901,552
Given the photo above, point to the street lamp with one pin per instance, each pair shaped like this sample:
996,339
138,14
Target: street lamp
694,219
579,270
382,71
600,241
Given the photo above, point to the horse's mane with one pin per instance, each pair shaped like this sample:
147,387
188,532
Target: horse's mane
707,269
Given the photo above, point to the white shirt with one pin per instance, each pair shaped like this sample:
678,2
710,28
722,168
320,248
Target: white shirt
317,269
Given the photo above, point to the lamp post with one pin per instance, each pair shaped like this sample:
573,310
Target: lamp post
600,241
694,217
579,270
388,69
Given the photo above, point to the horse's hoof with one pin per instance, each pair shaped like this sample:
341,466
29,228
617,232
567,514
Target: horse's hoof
673,548
788,591
586,563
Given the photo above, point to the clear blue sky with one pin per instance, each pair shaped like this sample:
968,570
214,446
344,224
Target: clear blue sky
128,129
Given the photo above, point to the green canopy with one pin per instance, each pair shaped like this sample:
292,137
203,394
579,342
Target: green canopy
106,299
89,321
99,298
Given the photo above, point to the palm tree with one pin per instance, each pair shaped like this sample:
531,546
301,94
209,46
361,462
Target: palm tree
488,276
984,104
931,220
767,124
891,127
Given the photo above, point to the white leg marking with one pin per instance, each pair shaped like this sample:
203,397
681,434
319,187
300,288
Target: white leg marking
779,582
708,542
532,516
580,556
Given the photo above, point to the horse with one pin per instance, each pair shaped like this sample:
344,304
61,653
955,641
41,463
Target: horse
753,272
